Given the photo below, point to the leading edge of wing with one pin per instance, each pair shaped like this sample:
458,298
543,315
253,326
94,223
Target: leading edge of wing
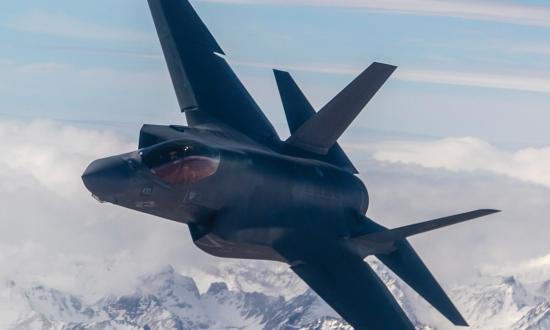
208,91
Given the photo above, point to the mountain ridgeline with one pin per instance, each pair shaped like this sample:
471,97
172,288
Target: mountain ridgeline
169,300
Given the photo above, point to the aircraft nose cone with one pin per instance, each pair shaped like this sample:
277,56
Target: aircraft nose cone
107,179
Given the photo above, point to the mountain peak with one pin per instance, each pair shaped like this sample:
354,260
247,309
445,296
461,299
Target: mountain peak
217,287
168,300
168,282
509,280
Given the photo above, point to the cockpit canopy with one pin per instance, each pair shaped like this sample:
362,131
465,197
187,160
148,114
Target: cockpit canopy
181,162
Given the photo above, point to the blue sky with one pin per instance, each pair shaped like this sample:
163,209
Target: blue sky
466,68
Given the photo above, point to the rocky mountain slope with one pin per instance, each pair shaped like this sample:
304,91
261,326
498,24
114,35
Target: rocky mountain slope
169,300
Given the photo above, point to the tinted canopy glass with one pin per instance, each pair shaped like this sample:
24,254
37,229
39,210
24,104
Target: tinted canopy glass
181,163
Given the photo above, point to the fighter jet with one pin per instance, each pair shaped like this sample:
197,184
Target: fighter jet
245,193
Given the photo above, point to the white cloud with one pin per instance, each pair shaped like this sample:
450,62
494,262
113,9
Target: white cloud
540,49
66,26
46,67
117,52
498,11
469,154
60,74
52,232
51,160
529,271
61,90
519,81
405,193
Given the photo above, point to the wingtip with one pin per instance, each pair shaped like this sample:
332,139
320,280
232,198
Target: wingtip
453,315
489,211
279,73
385,65
456,318
194,31
460,322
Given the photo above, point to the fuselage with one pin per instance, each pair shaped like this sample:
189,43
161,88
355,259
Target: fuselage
239,199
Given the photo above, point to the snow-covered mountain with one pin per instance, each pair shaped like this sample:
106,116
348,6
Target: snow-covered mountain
170,300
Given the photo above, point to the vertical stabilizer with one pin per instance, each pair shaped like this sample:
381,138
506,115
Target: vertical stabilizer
298,110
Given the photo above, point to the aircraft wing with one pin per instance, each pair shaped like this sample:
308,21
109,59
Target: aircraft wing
347,284
208,91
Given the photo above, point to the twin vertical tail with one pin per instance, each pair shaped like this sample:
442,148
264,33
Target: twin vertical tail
298,111
319,133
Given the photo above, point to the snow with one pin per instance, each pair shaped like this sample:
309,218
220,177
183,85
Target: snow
167,299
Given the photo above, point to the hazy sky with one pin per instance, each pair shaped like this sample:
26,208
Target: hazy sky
463,124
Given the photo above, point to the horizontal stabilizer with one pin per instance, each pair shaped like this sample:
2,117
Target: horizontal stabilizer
406,264
298,110
392,235
391,247
321,131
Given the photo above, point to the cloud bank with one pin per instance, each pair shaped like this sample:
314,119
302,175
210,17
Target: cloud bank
61,25
63,90
496,11
470,154
519,81
53,233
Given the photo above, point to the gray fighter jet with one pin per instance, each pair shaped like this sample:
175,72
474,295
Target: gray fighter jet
245,193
